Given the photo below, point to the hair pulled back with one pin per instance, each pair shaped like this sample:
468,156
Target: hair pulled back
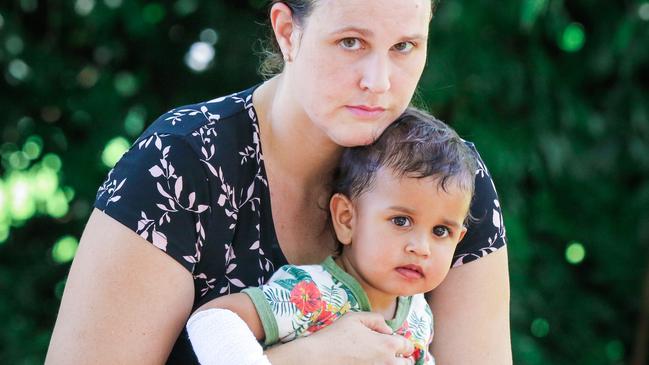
273,62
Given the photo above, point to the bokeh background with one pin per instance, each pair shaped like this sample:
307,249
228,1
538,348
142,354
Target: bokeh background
554,93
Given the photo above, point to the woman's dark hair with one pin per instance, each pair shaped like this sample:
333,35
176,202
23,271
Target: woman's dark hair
416,145
272,61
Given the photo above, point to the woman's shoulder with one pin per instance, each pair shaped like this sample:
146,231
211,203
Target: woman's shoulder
223,113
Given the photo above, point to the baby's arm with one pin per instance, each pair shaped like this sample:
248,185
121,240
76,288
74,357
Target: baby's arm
226,330
240,304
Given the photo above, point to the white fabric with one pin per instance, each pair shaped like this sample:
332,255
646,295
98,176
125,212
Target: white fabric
219,336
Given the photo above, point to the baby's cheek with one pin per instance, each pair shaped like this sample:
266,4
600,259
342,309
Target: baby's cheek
441,265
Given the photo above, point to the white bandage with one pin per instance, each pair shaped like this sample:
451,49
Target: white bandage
219,336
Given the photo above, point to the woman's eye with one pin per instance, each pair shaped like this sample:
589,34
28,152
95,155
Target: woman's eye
401,221
441,231
404,47
351,44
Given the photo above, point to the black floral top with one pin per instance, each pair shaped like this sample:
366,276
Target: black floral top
194,185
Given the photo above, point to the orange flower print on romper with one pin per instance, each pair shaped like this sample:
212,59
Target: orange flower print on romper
404,331
306,297
324,319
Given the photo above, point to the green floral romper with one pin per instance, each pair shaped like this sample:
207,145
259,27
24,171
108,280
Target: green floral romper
300,300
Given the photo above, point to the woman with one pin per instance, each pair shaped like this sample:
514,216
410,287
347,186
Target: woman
221,217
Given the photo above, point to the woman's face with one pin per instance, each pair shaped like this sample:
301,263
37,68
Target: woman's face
356,63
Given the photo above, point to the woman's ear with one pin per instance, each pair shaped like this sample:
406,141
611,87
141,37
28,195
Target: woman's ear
284,28
342,217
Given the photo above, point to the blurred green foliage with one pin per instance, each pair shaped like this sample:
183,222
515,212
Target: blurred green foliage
554,93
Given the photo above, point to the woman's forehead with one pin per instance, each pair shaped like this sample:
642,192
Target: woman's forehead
402,16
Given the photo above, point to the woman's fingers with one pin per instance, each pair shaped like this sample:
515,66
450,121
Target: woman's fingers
404,361
360,338
401,346
373,321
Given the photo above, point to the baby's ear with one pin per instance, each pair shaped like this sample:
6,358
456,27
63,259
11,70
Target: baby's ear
462,233
342,216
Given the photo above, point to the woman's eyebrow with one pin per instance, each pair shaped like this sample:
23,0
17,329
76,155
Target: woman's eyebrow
369,33
364,31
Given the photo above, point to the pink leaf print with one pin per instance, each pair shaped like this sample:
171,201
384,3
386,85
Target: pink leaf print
202,208
255,245
156,171
114,199
222,199
162,191
158,142
212,169
251,189
120,185
237,282
179,186
190,259
496,218
192,197
159,240
230,268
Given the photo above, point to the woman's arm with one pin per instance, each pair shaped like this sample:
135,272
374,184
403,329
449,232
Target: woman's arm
471,309
125,301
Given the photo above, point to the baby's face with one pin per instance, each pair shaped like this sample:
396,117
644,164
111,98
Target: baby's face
404,233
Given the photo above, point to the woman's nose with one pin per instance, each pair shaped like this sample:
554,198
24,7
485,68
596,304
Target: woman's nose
376,74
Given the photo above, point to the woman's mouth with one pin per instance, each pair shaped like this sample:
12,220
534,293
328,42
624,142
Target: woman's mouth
365,111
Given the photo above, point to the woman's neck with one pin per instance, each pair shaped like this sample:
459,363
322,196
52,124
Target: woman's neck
291,144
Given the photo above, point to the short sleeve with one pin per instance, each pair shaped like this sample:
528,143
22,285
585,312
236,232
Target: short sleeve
274,306
290,304
159,190
486,231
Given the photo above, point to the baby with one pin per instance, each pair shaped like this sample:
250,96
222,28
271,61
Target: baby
398,210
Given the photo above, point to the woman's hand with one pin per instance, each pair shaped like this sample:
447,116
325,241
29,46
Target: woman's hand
356,338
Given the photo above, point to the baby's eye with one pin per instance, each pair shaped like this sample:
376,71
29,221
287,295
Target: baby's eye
441,231
401,221
404,47
351,44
